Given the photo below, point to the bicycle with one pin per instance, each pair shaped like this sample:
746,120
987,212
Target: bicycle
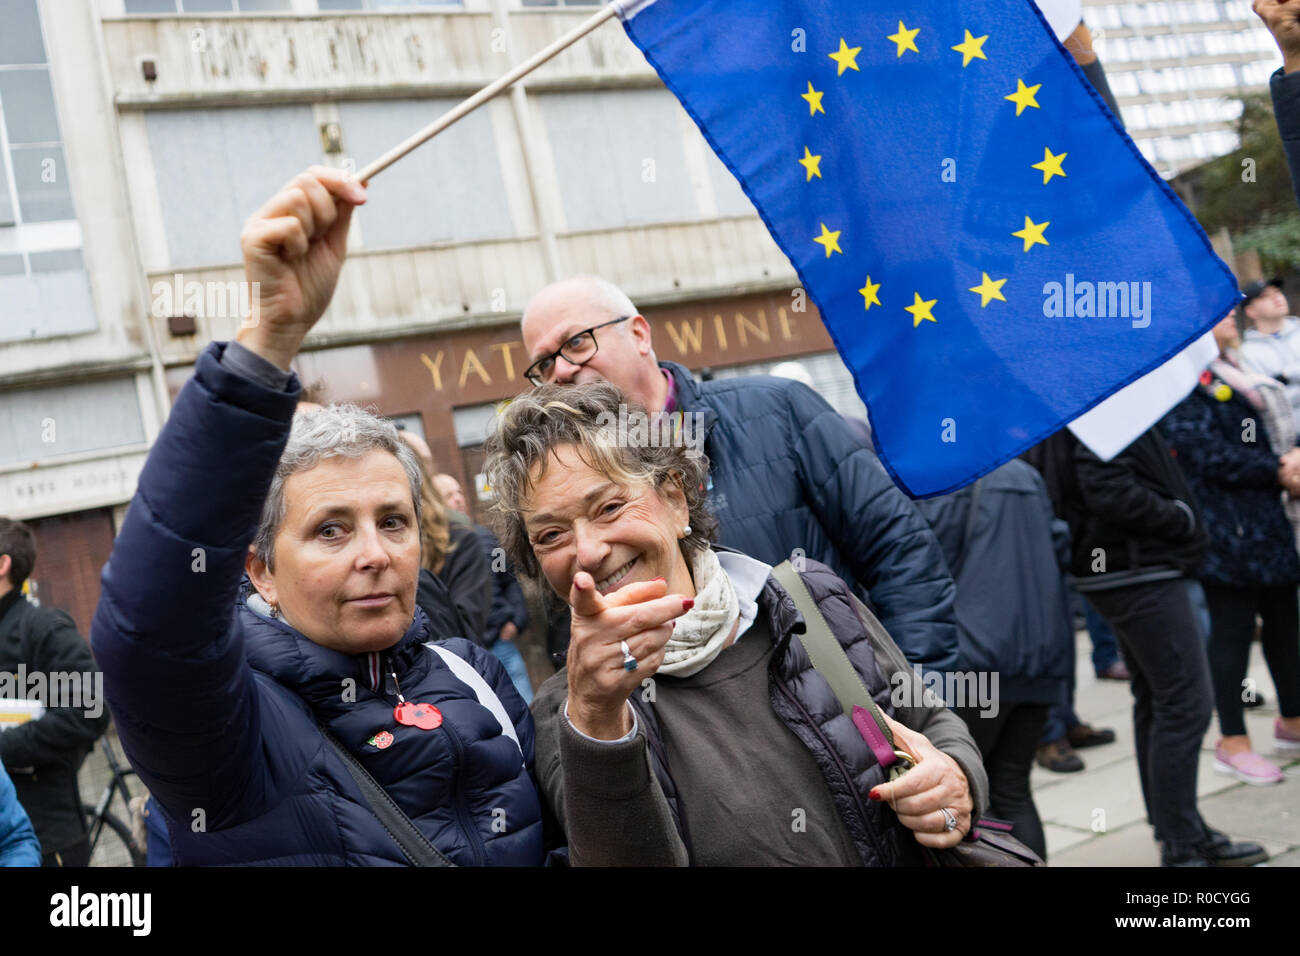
98,817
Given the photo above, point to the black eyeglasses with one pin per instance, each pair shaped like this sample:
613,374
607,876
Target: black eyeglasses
577,350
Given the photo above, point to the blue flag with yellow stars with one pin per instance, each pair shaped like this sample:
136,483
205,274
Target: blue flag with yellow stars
989,250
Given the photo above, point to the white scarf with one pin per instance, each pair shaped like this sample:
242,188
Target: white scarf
703,631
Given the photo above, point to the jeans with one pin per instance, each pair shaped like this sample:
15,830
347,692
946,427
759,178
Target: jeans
1200,608
1157,631
1007,743
1232,616
1105,651
509,655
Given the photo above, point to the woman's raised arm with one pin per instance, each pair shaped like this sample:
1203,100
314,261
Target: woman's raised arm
164,632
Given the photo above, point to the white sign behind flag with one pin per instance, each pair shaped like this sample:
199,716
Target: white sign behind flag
1062,15
1111,426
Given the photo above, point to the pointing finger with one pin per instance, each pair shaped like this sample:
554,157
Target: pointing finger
584,599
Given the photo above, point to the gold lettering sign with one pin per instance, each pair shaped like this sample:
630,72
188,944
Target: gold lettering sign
786,322
687,338
434,367
472,362
744,326
505,348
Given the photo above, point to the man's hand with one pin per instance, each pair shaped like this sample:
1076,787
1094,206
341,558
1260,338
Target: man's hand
1282,17
643,615
918,796
294,247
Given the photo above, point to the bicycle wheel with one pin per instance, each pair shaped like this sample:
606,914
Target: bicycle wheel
118,850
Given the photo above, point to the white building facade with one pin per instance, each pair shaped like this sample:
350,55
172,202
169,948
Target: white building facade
1178,69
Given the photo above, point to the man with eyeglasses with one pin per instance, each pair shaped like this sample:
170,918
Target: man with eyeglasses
790,478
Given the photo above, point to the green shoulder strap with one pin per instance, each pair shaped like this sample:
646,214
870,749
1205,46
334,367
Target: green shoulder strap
825,652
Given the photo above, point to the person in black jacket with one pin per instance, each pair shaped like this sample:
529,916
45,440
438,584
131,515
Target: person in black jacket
508,614
1282,17
1007,552
454,587
1138,536
44,755
1235,442
788,476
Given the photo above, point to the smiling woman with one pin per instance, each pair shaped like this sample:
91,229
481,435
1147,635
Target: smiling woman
688,725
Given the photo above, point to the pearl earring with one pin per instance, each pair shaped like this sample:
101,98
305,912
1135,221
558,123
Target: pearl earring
687,531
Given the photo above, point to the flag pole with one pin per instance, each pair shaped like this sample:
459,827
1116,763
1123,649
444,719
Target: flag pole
613,9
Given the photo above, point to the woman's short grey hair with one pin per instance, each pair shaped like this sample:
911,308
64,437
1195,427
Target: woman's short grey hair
585,418
335,431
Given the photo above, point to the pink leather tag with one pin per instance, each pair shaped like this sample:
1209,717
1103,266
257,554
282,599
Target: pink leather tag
870,732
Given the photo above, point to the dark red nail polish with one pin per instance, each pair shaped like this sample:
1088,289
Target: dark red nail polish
688,603
874,795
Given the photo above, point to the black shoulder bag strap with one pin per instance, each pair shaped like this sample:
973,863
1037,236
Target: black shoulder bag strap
415,846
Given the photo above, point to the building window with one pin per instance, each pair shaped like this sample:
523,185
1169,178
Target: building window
231,157
48,423
43,282
381,6
619,158
451,189
164,7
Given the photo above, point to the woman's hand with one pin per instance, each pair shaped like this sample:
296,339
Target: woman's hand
294,247
936,781
642,614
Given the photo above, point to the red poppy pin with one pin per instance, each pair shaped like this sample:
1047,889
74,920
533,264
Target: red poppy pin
381,741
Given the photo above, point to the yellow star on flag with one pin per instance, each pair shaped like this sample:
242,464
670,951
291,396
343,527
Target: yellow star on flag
814,99
829,240
989,290
1023,97
870,293
970,48
845,57
920,310
1051,165
905,38
1032,233
812,164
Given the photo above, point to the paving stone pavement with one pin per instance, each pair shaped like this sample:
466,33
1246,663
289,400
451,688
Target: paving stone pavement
1095,817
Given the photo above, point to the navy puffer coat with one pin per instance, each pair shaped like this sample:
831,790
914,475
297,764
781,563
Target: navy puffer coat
1233,471
790,477
218,706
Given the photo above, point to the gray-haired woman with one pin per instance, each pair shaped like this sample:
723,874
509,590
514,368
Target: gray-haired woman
223,685
688,724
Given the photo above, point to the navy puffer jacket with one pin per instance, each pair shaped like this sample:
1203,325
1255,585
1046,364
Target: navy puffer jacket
217,706
1008,559
789,475
1233,471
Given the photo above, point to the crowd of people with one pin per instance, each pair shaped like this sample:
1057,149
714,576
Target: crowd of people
308,644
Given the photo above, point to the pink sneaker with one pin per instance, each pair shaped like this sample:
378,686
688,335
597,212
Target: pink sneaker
1283,739
1248,767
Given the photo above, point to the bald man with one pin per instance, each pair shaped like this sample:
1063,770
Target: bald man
788,475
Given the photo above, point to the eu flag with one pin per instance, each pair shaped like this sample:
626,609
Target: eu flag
989,250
